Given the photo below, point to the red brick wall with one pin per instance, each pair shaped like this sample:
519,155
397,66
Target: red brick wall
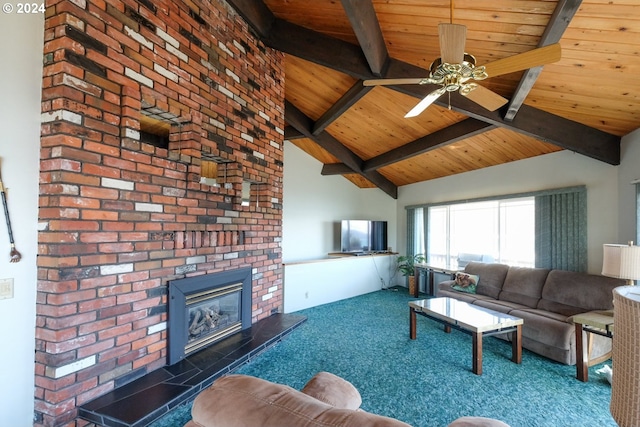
119,218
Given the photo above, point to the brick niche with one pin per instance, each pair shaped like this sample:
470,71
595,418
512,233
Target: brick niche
121,215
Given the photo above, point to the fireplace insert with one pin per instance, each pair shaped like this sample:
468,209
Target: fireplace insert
205,309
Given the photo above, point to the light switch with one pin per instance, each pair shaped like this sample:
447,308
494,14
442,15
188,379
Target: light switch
6,288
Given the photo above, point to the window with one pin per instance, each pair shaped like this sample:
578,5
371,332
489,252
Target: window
494,230
544,229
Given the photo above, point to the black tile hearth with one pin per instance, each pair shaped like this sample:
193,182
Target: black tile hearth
146,399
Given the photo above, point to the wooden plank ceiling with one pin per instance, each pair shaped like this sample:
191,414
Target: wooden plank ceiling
583,103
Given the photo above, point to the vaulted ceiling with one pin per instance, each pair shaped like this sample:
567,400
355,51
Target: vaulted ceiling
584,102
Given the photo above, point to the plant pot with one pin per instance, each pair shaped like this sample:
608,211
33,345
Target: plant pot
412,285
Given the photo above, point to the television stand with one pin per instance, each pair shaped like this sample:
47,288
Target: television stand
359,254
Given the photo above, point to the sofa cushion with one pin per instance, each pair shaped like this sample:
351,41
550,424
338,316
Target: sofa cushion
569,293
241,400
333,390
461,296
499,305
491,277
524,285
445,289
465,282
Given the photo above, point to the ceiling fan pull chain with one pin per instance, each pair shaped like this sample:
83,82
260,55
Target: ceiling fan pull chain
449,100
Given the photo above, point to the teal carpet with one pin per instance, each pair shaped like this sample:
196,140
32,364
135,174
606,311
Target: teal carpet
426,382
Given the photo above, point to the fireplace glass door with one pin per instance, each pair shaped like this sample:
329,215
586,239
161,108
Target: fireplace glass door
213,314
206,309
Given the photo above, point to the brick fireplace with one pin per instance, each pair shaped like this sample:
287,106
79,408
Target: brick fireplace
161,159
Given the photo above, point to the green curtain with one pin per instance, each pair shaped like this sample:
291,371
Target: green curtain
561,230
411,235
417,219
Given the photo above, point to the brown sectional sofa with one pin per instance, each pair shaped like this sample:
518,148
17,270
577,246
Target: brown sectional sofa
545,299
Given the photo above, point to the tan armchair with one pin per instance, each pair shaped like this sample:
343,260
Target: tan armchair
326,400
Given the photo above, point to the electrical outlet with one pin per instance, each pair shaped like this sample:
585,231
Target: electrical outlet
6,288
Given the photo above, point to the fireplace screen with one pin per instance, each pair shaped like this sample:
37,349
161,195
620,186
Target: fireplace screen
206,309
213,314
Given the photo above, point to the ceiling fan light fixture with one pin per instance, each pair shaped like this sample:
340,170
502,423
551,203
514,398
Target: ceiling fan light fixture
455,74
452,40
456,70
452,82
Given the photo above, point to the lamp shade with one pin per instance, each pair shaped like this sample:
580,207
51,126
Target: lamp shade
621,261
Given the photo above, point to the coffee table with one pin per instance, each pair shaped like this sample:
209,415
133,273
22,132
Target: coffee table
478,322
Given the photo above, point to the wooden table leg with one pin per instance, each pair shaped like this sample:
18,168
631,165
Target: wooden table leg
582,363
477,353
412,324
516,345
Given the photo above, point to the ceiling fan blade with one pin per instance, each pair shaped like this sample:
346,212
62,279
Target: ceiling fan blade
426,101
486,98
533,58
452,40
387,82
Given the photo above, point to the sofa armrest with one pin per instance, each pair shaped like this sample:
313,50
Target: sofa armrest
333,390
446,286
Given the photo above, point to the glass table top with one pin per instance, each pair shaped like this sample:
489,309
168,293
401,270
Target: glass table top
465,315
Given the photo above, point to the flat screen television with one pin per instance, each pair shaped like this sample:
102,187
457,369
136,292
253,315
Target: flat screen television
362,236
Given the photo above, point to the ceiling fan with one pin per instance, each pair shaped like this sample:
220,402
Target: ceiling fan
456,70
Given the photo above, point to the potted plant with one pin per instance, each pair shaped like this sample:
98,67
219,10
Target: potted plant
406,266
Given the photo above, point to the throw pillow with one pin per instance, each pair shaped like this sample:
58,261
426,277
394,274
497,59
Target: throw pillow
465,282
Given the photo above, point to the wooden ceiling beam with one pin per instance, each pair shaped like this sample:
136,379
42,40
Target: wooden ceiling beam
353,95
549,128
562,16
539,124
318,48
304,125
459,131
335,169
301,42
256,14
364,22
290,133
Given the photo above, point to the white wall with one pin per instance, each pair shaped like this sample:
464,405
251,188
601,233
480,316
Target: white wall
561,169
313,204
308,284
20,87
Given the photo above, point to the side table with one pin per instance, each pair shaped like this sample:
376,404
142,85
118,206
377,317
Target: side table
596,322
430,270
